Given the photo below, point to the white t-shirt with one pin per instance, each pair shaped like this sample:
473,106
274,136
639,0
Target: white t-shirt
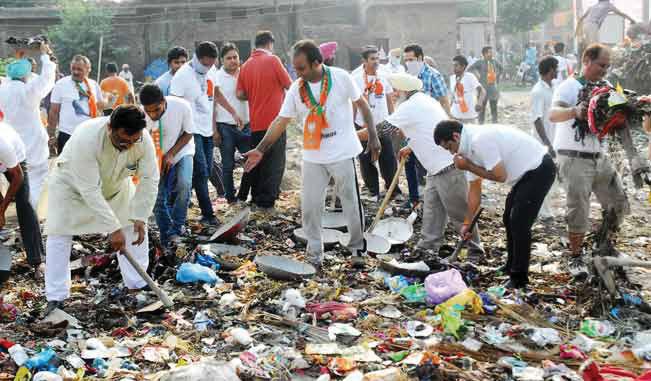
74,108
227,84
339,141
377,103
541,103
164,82
417,117
176,120
563,71
198,90
127,76
12,149
470,84
568,93
488,145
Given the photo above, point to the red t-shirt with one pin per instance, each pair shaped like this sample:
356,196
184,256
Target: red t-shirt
264,79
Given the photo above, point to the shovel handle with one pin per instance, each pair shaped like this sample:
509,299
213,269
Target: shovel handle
387,197
167,302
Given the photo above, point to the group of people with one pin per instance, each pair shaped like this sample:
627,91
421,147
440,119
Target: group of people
113,171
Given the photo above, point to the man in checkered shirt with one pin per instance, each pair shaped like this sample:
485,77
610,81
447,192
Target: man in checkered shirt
433,82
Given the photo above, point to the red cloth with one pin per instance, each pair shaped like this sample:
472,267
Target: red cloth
264,79
593,372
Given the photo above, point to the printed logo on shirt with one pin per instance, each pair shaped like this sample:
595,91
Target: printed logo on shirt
210,89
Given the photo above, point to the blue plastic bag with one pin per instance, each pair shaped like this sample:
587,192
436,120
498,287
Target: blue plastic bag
41,361
208,261
193,272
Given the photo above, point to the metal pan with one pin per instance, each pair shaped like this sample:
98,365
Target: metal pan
231,229
396,230
333,220
283,268
374,243
330,236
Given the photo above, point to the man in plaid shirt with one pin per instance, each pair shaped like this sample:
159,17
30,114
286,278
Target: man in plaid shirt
433,82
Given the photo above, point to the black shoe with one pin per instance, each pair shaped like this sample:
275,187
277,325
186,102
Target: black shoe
210,221
53,305
515,284
577,267
358,259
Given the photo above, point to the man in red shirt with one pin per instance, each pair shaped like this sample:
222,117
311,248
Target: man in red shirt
263,81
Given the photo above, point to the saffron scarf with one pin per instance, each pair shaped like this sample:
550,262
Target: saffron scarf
459,91
92,103
315,121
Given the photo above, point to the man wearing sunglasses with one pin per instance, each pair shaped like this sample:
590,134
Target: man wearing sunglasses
92,190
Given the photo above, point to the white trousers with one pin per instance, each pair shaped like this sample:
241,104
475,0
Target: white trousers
37,176
57,264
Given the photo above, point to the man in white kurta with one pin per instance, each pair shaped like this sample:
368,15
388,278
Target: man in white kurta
20,101
91,190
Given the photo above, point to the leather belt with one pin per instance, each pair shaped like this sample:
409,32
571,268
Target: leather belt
579,154
445,170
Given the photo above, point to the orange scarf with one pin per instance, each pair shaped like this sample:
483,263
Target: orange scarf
157,136
92,103
374,87
459,90
315,121
491,76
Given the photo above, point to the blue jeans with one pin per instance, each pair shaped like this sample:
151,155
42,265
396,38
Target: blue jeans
232,138
171,212
203,146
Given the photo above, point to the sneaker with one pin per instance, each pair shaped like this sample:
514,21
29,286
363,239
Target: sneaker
577,267
212,221
358,259
53,305
514,285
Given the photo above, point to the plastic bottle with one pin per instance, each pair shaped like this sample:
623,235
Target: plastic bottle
18,354
192,272
41,360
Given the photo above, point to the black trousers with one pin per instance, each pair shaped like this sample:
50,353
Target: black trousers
482,113
62,139
30,231
388,166
520,212
266,177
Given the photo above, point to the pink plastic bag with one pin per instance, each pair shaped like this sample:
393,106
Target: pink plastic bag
443,285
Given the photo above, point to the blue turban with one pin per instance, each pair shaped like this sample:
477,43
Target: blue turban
19,69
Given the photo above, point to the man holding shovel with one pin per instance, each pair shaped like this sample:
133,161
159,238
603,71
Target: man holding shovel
446,187
322,99
91,190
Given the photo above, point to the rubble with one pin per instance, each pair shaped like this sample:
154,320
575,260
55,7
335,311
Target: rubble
390,321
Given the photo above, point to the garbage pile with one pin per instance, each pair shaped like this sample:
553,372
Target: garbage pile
631,67
246,307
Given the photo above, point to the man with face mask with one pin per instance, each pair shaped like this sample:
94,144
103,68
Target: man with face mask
20,100
322,100
176,57
377,91
169,121
446,186
91,191
127,75
433,82
394,66
75,99
584,166
195,82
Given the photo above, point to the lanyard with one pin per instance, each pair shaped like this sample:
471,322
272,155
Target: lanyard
160,134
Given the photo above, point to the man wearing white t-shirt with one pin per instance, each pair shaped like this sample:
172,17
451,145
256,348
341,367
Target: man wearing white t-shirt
12,164
541,103
232,121
169,121
75,99
176,57
20,99
446,189
584,167
506,155
377,92
195,83
322,100
563,68
467,93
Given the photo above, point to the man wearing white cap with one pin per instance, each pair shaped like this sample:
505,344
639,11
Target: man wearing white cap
446,189
394,66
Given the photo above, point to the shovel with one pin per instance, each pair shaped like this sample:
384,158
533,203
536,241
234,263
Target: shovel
387,197
453,258
167,302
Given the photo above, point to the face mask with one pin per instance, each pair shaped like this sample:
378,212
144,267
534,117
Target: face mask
394,61
414,67
198,66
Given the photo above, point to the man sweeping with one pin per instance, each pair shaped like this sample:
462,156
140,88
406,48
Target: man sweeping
322,99
91,190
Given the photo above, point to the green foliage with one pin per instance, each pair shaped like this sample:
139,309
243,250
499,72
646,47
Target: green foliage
3,65
521,16
82,24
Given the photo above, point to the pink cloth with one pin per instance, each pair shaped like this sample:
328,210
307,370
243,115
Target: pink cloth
328,49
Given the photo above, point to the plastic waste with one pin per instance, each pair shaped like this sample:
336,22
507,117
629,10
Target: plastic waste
597,328
396,283
572,352
338,311
419,329
41,360
472,344
292,303
451,320
193,272
528,373
466,298
497,291
342,329
443,285
544,336
47,376
584,343
18,354
209,370
101,366
389,374
228,300
8,312
414,294
23,374
202,321
207,260
509,362
593,372
241,336
642,345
